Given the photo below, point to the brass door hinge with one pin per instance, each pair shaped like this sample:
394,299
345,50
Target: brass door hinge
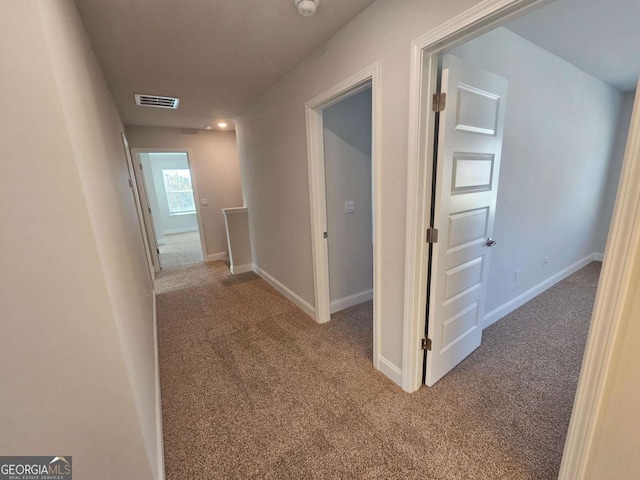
426,343
432,235
439,102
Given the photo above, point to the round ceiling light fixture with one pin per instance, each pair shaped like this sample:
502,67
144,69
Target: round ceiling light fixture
307,7
222,124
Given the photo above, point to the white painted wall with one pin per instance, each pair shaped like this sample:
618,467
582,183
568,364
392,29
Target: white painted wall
613,177
214,165
165,223
76,337
273,151
347,152
559,138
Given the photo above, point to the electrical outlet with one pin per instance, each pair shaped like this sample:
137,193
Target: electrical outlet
545,260
515,276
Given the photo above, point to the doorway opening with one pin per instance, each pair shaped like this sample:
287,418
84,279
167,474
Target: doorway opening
343,161
561,165
347,163
172,211
507,170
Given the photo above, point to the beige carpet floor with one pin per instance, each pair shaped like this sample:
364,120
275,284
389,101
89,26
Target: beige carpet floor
180,249
252,388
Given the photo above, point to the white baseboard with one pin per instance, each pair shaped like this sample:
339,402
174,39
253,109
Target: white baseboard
390,370
505,309
351,300
598,257
217,256
284,290
241,269
159,436
173,231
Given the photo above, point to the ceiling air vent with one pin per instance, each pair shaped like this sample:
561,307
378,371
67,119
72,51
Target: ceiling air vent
155,101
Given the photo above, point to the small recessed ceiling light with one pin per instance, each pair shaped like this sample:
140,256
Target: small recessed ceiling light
208,127
222,124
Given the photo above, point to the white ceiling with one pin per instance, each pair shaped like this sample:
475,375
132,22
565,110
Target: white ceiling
215,55
601,37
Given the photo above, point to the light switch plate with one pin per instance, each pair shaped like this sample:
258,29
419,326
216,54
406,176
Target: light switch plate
204,201
350,206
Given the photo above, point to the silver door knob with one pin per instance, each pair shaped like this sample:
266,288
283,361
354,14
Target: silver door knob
490,242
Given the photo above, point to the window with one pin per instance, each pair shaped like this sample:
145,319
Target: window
177,185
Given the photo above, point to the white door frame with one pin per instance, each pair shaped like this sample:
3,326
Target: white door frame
624,233
609,319
147,218
369,76
140,210
194,183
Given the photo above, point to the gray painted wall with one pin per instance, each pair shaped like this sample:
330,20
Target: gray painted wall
613,177
558,145
77,340
347,151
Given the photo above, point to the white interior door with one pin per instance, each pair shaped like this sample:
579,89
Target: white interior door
148,215
468,165
133,184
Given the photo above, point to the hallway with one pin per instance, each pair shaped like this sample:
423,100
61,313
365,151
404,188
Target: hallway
252,388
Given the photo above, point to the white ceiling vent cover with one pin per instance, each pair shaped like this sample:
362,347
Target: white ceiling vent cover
156,101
